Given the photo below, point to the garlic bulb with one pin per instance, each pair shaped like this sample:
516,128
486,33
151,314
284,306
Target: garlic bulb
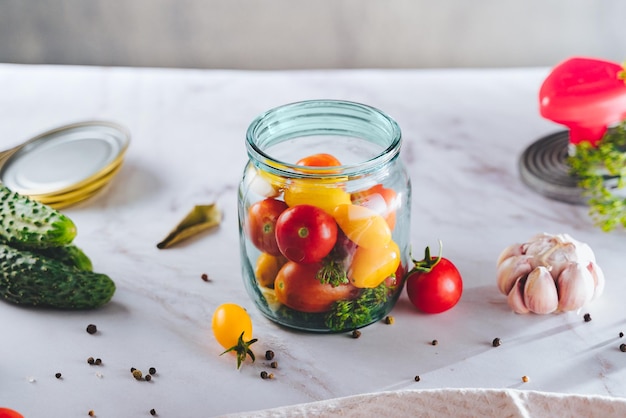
549,273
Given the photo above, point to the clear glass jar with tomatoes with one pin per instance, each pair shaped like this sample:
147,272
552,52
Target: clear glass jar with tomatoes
324,215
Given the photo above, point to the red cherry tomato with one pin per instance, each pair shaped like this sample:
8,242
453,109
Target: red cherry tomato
9,413
297,287
305,233
319,160
261,224
434,285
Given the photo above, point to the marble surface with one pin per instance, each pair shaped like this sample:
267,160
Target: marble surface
464,131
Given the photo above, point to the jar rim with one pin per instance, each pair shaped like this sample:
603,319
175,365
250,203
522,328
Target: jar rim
360,114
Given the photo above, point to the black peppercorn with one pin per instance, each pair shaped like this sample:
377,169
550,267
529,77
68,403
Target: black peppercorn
417,378
269,354
148,377
92,329
621,334
587,317
273,365
434,342
356,333
205,277
91,360
497,342
622,348
152,411
264,375
98,362
152,370
57,375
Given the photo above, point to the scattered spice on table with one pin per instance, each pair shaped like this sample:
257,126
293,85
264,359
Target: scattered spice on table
587,317
91,413
205,277
265,375
98,362
274,365
148,377
153,411
58,375
497,342
356,333
417,378
152,370
621,334
622,348
434,342
269,355
137,374
92,329
91,360
525,379
389,320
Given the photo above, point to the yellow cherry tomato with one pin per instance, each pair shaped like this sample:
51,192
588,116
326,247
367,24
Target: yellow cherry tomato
229,321
371,266
267,267
323,193
362,225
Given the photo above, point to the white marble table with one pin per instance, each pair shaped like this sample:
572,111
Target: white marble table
464,131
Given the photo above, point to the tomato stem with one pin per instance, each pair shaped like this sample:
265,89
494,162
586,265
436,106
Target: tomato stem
242,349
428,263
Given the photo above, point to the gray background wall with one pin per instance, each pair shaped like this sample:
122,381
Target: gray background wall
288,34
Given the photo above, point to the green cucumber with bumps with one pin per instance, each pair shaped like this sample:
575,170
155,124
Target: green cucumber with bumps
26,223
30,279
69,254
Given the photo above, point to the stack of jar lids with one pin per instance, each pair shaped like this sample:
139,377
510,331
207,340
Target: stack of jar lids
66,165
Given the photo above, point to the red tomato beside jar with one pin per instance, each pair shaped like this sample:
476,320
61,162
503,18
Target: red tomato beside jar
338,202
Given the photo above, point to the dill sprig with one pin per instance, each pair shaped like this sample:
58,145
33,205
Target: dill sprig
358,312
601,173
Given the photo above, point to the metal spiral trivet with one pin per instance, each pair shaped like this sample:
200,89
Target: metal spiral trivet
543,167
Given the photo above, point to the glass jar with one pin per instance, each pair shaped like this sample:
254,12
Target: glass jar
324,215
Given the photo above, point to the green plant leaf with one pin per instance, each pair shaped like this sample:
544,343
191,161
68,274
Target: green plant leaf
601,171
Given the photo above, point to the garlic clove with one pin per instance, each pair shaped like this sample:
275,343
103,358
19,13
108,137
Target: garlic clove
540,294
558,257
510,251
515,297
510,270
539,244
575,287
584,252
598,279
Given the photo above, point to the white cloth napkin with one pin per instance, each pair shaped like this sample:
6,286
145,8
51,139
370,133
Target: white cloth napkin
457,403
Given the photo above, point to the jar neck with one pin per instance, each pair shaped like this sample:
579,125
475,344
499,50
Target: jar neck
341,120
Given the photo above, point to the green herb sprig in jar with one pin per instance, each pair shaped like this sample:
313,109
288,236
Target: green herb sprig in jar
601,173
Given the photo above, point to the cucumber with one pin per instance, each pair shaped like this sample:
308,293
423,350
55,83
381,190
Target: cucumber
69,254
26,223
30,279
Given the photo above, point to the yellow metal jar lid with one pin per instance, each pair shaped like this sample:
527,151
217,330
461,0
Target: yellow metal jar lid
67,164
